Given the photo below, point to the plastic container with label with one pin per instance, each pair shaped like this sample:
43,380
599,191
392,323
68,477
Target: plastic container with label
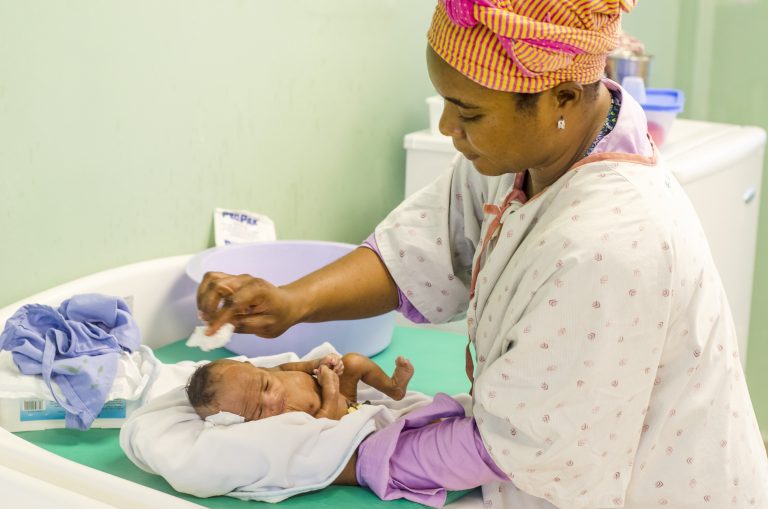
661,106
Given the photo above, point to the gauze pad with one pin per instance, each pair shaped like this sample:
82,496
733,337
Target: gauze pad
208,343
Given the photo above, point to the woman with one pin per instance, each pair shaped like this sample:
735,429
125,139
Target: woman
606,371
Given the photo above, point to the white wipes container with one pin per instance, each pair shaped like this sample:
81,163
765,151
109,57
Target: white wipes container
435,104
26,402
427,156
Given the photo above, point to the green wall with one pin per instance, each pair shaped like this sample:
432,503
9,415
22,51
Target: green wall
123,124
655,23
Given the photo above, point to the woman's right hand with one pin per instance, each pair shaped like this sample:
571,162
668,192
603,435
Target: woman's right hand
252,305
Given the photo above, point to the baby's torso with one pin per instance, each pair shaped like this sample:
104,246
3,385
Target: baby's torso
305,394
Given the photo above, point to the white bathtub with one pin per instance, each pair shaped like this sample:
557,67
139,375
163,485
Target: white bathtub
163,301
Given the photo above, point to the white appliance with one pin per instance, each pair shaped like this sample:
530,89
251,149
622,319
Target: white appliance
719,165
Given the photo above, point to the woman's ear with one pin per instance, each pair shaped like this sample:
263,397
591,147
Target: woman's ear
567,94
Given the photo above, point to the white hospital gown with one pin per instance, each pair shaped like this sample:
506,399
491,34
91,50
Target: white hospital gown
606,368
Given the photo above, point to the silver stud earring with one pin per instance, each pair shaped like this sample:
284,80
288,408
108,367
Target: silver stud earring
561,124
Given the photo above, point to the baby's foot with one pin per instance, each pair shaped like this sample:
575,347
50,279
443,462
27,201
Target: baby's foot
401,377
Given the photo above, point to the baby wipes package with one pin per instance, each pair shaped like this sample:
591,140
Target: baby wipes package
35,414
241,227
26,402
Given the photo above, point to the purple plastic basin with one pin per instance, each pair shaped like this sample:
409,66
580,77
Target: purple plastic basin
279,263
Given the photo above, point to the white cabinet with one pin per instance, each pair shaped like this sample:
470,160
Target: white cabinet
719,165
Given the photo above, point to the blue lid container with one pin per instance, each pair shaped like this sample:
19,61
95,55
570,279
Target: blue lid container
663,99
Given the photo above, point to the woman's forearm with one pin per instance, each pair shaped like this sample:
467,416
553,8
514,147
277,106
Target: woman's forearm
419,459
357,285
347,476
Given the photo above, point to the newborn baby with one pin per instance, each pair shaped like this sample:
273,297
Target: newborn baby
325,387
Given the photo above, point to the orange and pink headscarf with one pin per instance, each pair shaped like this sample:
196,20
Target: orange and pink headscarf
527,46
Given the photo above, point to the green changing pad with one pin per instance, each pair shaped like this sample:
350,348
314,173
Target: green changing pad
438,359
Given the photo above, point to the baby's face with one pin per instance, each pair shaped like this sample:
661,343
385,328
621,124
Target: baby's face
243,389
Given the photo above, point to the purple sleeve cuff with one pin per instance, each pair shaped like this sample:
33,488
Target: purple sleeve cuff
419,460
404,305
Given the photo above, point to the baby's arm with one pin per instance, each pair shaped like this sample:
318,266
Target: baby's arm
333,361
329,385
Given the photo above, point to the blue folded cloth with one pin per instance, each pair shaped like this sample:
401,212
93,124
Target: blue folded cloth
76,346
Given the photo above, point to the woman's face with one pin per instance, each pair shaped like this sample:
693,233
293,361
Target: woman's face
488,127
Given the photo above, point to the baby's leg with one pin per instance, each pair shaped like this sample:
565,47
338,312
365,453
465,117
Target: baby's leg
358,367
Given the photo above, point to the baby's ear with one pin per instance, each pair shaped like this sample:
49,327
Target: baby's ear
203,412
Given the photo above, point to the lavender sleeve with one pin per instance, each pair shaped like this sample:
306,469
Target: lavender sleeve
404,305
420,460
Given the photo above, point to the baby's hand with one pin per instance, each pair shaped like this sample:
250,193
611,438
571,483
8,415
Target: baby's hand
334,363
327,379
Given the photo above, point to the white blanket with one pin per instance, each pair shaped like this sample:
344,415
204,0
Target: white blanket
135,372
268,460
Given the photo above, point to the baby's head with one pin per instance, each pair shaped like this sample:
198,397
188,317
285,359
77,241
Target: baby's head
236,387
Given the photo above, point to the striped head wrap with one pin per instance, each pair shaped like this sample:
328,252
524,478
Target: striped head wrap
527,46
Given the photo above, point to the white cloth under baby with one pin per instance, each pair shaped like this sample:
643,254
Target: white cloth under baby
267,460
207,343
135,371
